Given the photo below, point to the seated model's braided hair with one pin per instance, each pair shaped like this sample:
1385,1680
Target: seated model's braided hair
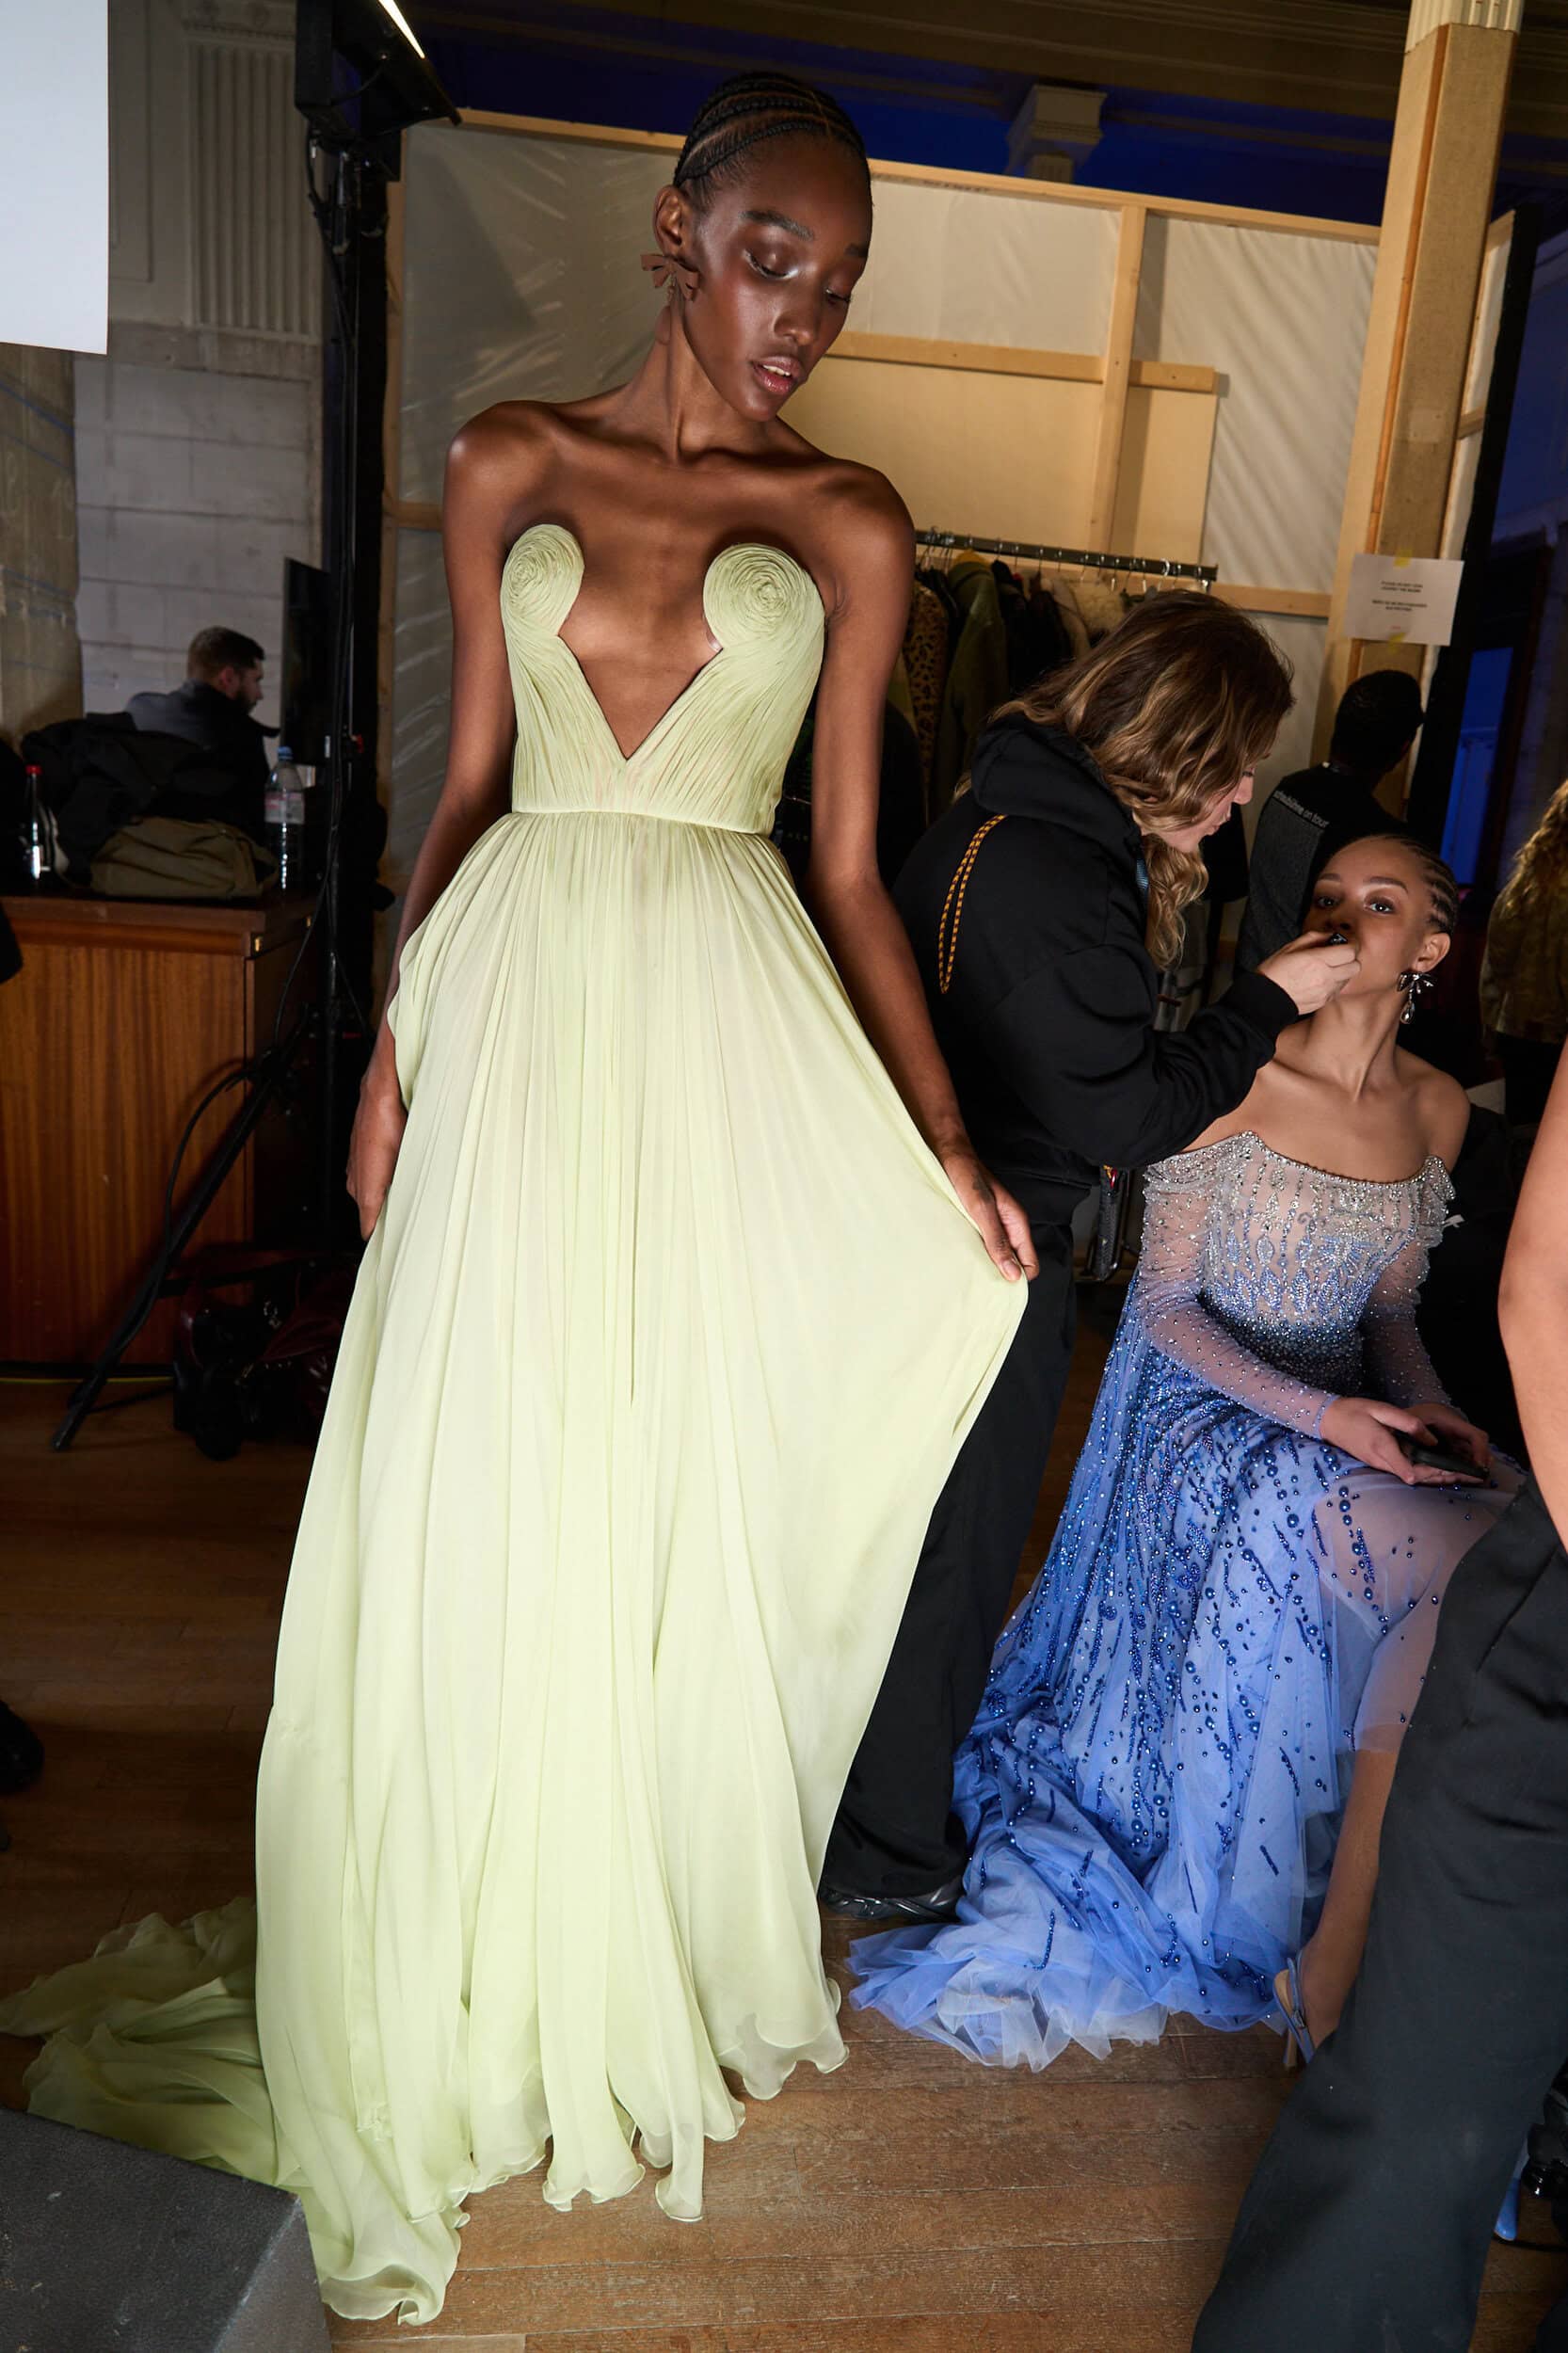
1439,879
741,114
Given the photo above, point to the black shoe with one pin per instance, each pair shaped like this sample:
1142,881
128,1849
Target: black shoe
938,1903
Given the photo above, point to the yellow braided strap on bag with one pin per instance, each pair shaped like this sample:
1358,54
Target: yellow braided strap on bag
947,930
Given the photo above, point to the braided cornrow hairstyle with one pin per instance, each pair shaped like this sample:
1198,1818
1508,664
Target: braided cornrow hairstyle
742,112
1442,889
1440,882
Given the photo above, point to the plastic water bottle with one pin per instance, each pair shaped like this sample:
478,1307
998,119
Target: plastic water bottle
285,821
35,841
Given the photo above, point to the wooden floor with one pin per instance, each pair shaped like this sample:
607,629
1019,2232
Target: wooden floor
910,2202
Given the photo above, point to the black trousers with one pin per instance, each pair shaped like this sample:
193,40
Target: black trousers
896,1833
1367,2224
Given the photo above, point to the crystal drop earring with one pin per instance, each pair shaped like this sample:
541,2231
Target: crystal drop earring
1415,985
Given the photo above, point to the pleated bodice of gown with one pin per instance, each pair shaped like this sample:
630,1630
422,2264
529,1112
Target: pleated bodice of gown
658,1358
716,757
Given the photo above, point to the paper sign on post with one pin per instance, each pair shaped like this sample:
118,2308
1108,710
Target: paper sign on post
1403,599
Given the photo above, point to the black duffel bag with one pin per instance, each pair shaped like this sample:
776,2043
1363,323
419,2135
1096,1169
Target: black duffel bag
101,774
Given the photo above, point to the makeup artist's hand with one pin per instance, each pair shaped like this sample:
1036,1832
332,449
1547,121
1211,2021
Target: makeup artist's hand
1312,969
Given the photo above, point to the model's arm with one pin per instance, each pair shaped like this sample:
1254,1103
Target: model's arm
482,488
1168,1291
1396,1358
1533,1307
873,561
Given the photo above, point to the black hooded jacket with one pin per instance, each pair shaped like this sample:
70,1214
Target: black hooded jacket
203,715
1048,1018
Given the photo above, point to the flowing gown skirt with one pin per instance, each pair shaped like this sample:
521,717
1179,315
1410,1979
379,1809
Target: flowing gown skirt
658,1358
1154,1782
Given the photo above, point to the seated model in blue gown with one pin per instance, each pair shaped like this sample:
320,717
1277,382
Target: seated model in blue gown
1235,1611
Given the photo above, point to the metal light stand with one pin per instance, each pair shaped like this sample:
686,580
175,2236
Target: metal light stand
360,79
270,1072
348,226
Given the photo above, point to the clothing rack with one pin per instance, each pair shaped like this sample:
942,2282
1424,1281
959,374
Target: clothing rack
1146,567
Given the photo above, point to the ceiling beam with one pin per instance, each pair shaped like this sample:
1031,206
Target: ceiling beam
1338,56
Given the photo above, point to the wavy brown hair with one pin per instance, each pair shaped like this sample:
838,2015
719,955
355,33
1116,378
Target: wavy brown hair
1173,707
1543,862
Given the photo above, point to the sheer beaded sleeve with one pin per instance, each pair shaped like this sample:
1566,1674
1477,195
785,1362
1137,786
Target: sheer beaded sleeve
1399,1369
1179,1199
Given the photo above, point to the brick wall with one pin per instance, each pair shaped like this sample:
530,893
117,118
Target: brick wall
198,437
192,482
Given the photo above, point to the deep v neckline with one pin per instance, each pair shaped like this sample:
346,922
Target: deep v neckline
629,758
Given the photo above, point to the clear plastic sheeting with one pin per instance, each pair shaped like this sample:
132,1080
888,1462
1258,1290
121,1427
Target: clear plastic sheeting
1303,642
1478,385
1462,495
964,265
421,696
1284,318
901,419
1489,313
520,279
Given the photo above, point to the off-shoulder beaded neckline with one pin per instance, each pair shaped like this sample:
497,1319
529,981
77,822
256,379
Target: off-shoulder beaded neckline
1309,1168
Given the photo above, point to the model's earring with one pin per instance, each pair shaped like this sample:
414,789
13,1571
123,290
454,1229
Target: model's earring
1415,985
680,277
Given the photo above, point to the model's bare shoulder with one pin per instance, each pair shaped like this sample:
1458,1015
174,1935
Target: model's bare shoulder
1265,1109
861,504
1442,1105
506,452
859,526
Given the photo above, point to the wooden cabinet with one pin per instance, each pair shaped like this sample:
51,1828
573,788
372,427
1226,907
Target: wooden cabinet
122,1015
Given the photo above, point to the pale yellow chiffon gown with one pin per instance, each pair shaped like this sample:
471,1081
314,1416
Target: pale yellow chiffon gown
658,1355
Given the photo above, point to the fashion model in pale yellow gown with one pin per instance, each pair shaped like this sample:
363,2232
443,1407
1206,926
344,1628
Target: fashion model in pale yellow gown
659,1354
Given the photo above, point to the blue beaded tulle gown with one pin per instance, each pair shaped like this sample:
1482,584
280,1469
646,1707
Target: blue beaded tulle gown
1230,1608
658,1355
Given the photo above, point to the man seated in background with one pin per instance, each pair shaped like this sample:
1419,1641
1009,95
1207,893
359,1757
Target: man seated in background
1309,817
222,687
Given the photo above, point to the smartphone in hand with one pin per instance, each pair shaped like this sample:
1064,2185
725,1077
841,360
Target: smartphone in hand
1443,1458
